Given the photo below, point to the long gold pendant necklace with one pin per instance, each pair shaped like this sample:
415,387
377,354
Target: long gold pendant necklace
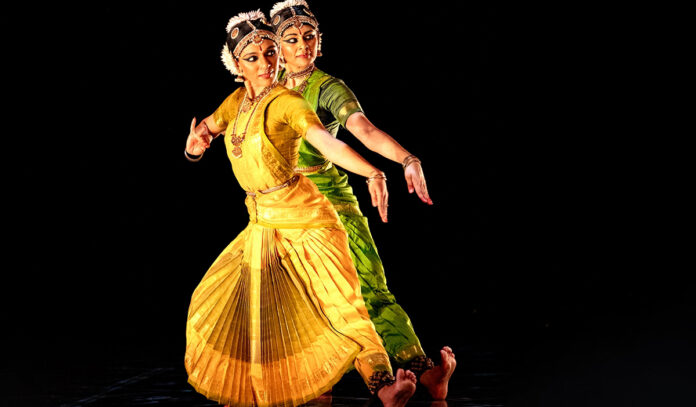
244,106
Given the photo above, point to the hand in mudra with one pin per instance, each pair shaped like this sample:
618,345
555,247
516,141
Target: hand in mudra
380,196
198,139
415,180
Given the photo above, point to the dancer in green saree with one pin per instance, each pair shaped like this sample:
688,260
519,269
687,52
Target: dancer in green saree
336,106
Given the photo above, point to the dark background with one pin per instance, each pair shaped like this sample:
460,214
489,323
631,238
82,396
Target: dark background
539,248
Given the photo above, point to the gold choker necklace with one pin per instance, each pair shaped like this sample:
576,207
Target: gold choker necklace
305,72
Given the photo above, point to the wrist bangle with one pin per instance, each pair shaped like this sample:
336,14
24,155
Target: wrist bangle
193,158
410,160
379,175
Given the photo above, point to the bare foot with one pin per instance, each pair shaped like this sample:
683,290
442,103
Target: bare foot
397,394
437,378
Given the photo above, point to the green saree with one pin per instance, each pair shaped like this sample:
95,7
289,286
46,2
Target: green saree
334,102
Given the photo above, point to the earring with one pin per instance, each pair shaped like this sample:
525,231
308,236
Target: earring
319,53
240,75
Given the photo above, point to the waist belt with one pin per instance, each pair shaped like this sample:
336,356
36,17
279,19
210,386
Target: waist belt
323,167
277,187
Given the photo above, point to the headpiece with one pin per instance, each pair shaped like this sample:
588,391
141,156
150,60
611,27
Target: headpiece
242,30
291,12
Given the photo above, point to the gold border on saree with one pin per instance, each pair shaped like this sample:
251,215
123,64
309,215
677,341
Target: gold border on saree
277,187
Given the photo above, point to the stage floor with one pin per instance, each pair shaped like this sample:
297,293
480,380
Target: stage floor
618,360
166,385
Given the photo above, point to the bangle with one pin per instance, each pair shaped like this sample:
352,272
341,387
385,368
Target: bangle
379,175
193,158
410,160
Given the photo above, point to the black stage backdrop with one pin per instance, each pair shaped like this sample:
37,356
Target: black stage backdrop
530,249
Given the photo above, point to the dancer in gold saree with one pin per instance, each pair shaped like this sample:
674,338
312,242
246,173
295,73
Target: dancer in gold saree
278,318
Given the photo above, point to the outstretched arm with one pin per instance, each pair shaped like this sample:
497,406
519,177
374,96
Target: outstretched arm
342,155
382,143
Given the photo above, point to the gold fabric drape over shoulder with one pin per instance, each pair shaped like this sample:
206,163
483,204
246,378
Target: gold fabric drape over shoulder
279,317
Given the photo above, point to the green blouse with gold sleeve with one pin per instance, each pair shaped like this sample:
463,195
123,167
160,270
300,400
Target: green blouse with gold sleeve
333,102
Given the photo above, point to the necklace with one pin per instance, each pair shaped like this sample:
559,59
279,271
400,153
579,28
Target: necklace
248,102
234,138
305,72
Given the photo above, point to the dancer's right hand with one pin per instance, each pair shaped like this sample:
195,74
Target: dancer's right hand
198,141
415,181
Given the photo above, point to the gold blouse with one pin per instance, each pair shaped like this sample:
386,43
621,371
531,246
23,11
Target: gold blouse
286,120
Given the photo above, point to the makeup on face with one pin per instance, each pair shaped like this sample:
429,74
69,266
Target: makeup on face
259,63
299,46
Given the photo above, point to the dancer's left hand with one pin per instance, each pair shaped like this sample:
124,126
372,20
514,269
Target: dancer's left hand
380,196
